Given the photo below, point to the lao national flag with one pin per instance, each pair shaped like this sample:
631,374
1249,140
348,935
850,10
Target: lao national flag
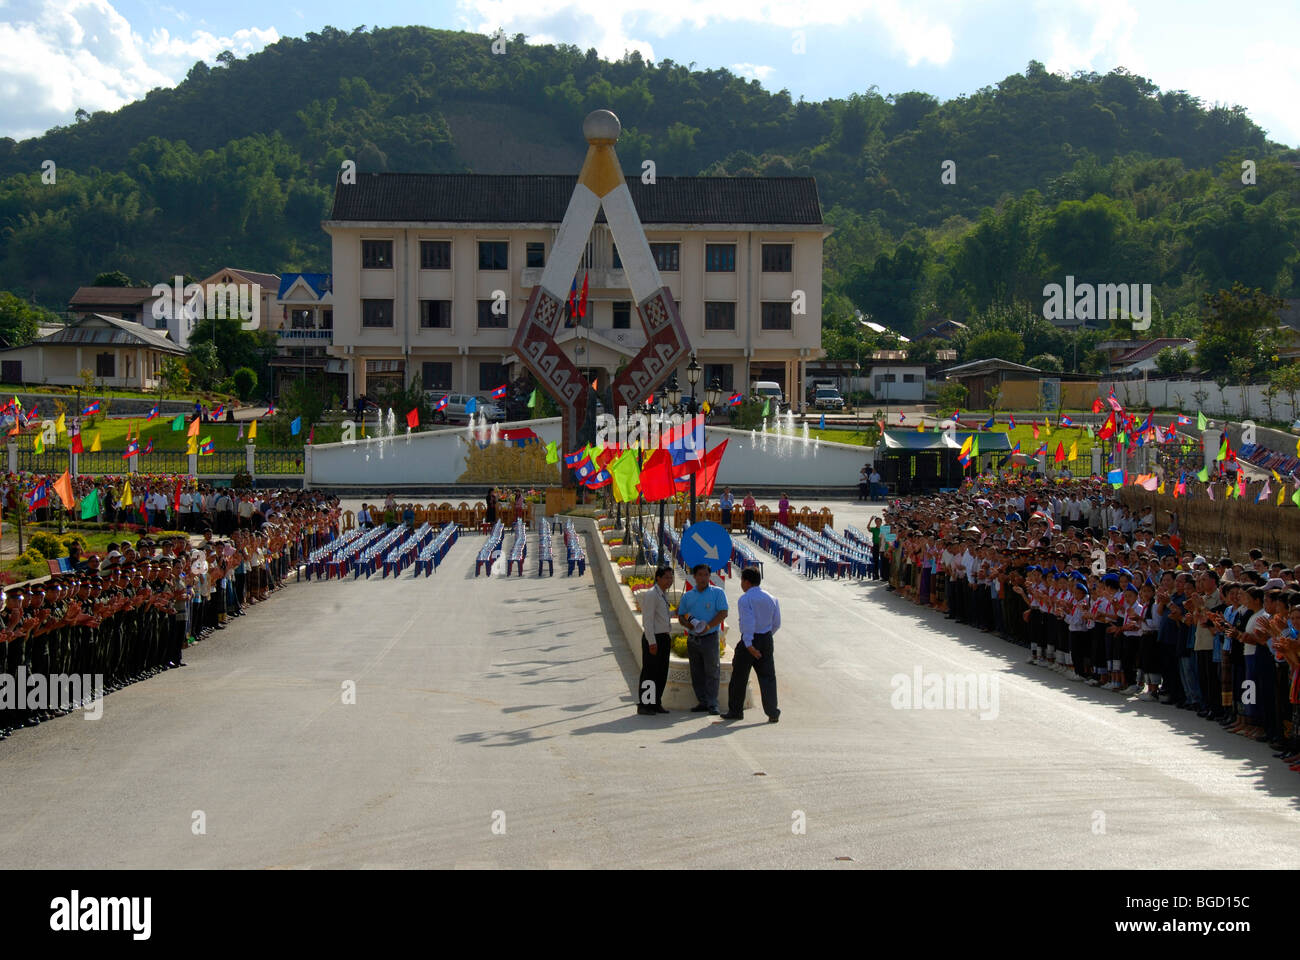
1041,451
598,480
499,393
1012,421
153,413
1016,448
573,459
442,404
148,447
1066,422
39,496
219,411
1184,421
209,447
270,411
132,449
91,409
735,400
584,469
988,424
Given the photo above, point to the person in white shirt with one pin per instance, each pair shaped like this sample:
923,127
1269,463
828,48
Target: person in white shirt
656,643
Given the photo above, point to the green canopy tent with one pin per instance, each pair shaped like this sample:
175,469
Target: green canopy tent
926,460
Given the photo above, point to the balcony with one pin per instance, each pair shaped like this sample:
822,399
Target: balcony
597,278
304,336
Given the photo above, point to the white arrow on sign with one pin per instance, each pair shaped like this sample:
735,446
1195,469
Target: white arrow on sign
709,549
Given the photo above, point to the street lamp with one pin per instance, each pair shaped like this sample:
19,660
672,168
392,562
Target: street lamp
674,392
693,371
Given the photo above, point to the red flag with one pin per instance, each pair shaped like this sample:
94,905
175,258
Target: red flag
1060,452
1098,406
412,419
176,497
76,443
657,476
607,456
582,304
709,470
1035,427
311,434
1107,429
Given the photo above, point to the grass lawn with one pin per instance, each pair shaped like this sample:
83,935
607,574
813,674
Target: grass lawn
856,437
112,434
9,389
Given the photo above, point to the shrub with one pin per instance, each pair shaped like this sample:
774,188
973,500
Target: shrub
245,382
47,546
70,538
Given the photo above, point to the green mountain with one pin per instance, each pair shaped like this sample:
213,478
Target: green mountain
1098,176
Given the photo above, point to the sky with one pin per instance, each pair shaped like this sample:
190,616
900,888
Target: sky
61,55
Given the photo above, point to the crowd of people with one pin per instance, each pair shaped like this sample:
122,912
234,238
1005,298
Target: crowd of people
129,613
1108,597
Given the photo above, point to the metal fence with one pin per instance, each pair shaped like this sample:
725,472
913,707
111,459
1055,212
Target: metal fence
277,462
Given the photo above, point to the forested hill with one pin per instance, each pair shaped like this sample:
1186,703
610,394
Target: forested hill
236,164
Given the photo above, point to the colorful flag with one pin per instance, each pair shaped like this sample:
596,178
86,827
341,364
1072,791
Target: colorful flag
90,505
1060,452
1223,449
413,418
1184,421
295,426
127,500
206,446
191,446
153,413
735,400
532,399
1011,421
988,424
252,430
132,448
178,422
499,393
148,447
1265,493
194,428
61,425
94,444
1281,494
582,304
709,469
92,408
1114,402
39,496
767,408
270,411
552,452
821,424
1074,451
1066,422
627,474
1203,475
1034,427
442,404
1098,406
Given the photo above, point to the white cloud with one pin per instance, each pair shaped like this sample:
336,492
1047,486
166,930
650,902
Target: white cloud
752,71
65,54
614,26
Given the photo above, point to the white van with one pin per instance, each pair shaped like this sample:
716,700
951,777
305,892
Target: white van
769,390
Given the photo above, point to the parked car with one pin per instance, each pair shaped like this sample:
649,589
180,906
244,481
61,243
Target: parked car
770,390
828,398
454,411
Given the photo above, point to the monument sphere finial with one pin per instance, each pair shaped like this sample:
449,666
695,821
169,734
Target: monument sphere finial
601,125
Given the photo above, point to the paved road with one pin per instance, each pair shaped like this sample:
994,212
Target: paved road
504,701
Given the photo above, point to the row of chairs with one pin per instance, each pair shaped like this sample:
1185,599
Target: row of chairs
465,515
764,516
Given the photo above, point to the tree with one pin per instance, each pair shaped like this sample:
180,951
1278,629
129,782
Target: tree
952,395
19,320
115,278
994,394
175,376
1240,324
1047,362
245,382
1002,344
1173,362
1287,379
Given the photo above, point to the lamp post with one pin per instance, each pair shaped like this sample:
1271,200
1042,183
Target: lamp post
693,371
672,397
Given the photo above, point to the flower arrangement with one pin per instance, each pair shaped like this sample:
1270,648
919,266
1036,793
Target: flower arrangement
639,583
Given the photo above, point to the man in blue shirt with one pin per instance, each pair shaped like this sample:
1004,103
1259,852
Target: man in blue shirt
701,611
760,618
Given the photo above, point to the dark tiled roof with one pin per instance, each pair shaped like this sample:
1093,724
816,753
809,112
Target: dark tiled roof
480,198
1150,348
110,296
99,330
269,280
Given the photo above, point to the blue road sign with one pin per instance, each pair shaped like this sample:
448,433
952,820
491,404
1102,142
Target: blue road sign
706,542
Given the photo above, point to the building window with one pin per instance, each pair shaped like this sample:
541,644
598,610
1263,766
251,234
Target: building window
909,378
377,254
719,258
160,323
105,365
11,371
300,320
492,375
327,319
622,314
493,255
376,313
776,316
666,256
777,257
536,254
435,314
128,315
435,254
618,261
719,315
487,319
435,375
722,372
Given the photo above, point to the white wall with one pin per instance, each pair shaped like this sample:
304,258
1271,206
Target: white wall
438,457
1182,395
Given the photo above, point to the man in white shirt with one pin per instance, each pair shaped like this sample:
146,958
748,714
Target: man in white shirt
760,617
656,642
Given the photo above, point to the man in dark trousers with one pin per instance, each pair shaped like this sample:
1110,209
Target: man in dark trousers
760,618
656,642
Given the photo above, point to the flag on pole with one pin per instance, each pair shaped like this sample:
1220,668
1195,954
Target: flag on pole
153,413
1203,475
295,426
988,424
582,304
39,496
90,505
194,428
1074,451
766,407
1281,494
126,495
1060,452
206,446
821,424
94,444
132,448
735,400
1067,422
178,422
191,446
38,445
552,452
252,430
442,404
61,425
532,399
413,418
626,473
92,408
1098,406
148,447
